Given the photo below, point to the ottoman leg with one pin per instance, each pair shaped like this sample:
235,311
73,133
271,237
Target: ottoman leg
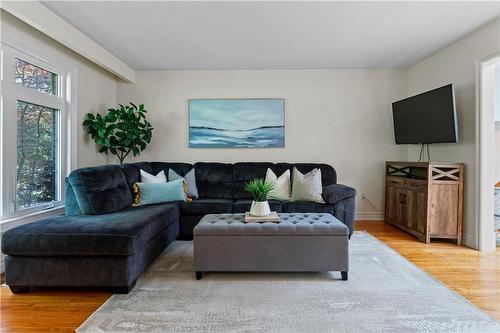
199,275
344,275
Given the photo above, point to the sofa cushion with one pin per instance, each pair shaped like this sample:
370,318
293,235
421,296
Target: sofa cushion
244,172
206,206
70,204
121,233
243,205
214,180
306,207
132,172
100,190
179,167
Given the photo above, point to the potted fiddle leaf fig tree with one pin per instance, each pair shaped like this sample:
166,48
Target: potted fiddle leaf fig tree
121,131
259,189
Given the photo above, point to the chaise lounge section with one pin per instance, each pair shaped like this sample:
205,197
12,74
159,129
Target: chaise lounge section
103,241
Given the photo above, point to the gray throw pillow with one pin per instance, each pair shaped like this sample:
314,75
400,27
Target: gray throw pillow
190,178
307,187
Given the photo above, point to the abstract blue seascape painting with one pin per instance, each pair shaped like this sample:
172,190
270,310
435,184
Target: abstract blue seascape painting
236,123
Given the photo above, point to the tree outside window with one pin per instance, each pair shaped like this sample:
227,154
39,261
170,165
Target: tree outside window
36,139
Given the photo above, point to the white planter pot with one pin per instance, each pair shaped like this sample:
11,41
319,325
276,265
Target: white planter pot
260,208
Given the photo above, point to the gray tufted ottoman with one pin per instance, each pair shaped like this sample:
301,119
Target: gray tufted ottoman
299,242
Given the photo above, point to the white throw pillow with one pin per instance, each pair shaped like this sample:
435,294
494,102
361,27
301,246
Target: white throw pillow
307,187
282,186
149,178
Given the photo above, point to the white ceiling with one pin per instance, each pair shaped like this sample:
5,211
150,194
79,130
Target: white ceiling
274,35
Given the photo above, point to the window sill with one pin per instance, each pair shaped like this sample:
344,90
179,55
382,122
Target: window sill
10,223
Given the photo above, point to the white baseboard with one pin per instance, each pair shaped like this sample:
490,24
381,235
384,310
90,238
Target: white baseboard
369,216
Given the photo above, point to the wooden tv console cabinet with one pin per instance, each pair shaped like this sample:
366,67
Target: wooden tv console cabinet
425,199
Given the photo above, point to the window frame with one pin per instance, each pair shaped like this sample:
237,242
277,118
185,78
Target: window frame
65,136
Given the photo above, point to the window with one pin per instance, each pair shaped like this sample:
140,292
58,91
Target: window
34,132
34,77
36,155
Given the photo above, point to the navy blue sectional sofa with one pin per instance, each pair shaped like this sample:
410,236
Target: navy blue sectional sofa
103,241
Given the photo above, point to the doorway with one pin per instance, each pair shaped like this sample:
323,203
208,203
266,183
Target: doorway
496,116
488,152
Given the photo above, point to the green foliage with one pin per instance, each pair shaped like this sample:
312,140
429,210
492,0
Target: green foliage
121,131
36,155
259,189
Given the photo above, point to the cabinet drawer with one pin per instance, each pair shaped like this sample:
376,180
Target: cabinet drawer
416,185
395,181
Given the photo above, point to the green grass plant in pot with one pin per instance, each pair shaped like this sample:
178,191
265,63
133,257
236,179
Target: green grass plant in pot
259,189
121,131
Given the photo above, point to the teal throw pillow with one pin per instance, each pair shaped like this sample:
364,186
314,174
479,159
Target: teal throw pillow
152,193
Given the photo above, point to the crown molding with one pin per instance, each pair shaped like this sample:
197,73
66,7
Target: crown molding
43,19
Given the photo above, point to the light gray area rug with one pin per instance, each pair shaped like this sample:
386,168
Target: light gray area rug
385,293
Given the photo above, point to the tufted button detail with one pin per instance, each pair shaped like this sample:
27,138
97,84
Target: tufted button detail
291,224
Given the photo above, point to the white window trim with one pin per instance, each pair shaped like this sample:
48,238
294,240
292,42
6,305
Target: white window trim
45,58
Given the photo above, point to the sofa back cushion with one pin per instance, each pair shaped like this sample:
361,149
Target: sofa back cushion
179,168
132,172
243,172
214,180
100,190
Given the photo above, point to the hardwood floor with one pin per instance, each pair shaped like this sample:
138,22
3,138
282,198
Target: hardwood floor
472,274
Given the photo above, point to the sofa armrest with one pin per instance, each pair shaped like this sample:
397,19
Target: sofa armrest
343,200
337,192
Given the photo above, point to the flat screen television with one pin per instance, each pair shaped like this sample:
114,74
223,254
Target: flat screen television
426,118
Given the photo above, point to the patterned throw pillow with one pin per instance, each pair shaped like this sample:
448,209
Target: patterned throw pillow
148,178
307,187
281,185
190,179
152,193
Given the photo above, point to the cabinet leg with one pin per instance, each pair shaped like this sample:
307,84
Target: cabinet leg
344,275
199,275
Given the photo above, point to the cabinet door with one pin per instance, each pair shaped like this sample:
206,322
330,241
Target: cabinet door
443,213
393,205
416,205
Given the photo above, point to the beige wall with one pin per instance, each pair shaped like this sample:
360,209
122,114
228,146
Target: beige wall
457,64
96,87
340,117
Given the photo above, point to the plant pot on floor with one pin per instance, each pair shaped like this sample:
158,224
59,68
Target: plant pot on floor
260,208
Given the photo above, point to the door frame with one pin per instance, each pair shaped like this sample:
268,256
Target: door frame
485,152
